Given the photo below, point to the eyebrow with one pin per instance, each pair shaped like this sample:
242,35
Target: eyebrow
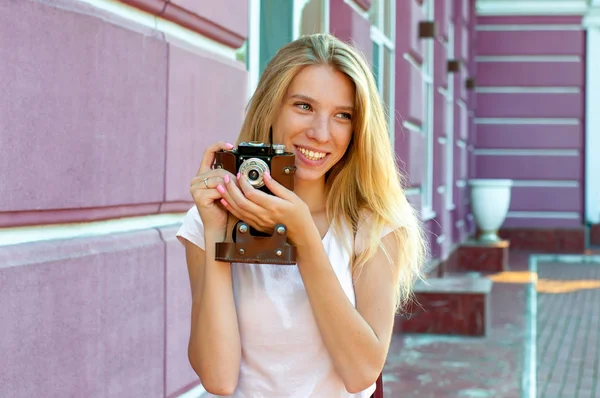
309,99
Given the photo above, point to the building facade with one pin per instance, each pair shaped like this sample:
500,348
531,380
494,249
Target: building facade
106,107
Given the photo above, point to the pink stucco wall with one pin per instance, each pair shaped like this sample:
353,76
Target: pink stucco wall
101,119
411,145
83,317
561,73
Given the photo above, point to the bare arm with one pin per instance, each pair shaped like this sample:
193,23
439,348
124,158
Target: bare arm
214,348
357,339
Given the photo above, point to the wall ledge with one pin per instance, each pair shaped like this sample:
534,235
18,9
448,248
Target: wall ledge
530,7
189,20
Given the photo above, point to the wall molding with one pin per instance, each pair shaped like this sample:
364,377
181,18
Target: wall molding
358,8
526,152
530,7
527,90
528,121
39,233
527,58
28,218
546,183
364,4
592,18
572,215
175,23
526,28
200,25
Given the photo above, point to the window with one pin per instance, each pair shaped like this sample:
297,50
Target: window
428,98
310,16
382,16
274,23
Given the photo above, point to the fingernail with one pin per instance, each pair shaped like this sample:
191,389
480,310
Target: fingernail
238,176
224,202
226,178
230,146
267,175
221,189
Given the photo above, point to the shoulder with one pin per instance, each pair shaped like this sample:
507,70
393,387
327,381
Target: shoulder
369,227
192,228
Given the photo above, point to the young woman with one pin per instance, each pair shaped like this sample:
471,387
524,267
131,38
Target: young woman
322,327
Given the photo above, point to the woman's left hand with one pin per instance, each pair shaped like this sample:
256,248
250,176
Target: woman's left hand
263,211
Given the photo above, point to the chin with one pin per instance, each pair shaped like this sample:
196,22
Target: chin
309,175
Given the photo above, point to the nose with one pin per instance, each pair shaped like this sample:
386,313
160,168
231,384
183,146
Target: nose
319,130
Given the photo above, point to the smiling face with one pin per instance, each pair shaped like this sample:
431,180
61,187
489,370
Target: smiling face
315,120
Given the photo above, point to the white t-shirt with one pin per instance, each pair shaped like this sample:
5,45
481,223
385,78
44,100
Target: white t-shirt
283,354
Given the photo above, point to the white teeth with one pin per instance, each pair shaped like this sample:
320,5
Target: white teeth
312,155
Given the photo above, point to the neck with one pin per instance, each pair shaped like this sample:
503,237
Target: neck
312,193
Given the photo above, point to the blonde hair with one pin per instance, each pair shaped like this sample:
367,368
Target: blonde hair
367,177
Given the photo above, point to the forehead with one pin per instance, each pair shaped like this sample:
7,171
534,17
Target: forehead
324,84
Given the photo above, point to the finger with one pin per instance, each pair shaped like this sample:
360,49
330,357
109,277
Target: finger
277,189
206,197
238,200
231,205
210,195
206,182
213,179
230,209
255,195
252,221
209,156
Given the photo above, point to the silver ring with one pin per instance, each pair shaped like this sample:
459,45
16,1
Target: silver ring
205,182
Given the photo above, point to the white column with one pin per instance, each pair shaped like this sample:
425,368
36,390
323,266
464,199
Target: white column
253,44
592,125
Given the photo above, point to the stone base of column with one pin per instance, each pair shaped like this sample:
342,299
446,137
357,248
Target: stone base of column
473,256
546,240
456,305
595,235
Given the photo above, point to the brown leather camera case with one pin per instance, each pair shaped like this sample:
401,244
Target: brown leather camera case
247,247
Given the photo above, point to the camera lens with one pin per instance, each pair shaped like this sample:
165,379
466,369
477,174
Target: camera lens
253,169
253,175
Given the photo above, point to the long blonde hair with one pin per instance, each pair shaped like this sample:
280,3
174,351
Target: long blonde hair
367,177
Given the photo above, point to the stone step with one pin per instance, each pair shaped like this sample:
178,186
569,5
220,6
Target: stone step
477,256
594,236
451,305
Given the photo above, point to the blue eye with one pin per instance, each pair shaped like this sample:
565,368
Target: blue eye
346,115
304,106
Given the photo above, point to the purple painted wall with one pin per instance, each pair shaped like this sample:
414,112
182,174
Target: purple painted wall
349,26
83,317
101,119
449,226
62,147
536,105
131,113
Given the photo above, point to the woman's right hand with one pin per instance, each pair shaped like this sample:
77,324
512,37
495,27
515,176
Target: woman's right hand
203,188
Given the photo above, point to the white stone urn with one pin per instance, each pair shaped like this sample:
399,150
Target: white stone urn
490,200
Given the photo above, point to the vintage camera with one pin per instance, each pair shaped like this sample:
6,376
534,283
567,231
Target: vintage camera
252,159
